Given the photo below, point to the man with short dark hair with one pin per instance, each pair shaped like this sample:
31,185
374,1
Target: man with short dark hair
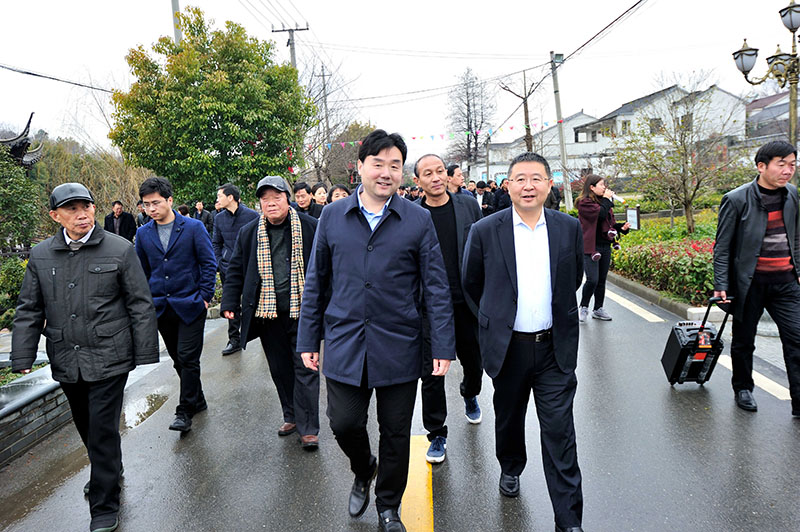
227,224
305,200
757,260
452,215
522,267
471,188
455,180
142,217
501,198
177,258
484,198
204,216
85,291
120,222
374,252
267,275
414,193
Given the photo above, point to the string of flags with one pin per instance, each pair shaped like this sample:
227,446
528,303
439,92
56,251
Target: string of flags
442,136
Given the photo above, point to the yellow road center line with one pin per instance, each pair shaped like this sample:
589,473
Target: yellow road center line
765,383
633,307
417,504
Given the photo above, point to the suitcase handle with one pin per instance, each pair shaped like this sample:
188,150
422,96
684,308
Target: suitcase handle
711,301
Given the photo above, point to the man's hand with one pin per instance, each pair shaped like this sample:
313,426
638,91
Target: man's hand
723,295
25,371
206,302
228,314
311,360
440,367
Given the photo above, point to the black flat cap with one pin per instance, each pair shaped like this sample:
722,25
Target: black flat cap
272,181
67,192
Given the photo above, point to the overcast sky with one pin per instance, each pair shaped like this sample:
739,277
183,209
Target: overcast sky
388,48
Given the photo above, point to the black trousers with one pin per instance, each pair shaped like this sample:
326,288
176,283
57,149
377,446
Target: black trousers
185,345
434,400
532,366
347,411
596,274
235,324
96,407
782,301
297,386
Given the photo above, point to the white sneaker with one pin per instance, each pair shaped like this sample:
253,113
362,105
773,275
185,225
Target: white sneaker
583,313
601,314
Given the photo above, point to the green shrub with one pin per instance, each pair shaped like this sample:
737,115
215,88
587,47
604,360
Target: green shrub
12,271
656,230
682,268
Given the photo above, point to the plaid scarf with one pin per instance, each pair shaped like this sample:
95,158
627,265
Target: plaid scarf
267,302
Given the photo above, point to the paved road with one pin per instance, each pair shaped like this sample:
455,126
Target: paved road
654,457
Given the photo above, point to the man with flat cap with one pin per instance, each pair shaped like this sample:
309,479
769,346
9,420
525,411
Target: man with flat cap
85,291
267,274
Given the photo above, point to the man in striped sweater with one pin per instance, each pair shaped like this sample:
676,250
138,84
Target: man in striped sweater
756,259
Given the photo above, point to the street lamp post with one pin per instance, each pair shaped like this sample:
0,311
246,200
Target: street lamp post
783,68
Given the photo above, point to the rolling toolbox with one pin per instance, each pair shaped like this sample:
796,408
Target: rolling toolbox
692,349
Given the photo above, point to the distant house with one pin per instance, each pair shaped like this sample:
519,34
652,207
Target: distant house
768,117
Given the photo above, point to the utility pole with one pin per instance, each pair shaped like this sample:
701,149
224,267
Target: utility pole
524,98
175,10
558,59
488,141
290,42
325,105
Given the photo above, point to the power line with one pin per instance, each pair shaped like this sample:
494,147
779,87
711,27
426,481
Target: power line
53,78
419,53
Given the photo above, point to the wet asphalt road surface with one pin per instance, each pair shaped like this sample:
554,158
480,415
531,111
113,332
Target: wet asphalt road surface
654,457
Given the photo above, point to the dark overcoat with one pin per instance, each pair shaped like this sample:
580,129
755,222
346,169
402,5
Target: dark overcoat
242,280
375,280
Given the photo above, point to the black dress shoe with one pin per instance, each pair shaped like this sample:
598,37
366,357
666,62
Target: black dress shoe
182,423
359,493
746,401
569,529
509,485
231,348
105,523
389,521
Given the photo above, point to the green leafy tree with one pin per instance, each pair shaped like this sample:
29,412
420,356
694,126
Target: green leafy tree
19,203
212,109
343,159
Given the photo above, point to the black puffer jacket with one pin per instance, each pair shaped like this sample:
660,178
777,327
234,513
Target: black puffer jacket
94,305
226,229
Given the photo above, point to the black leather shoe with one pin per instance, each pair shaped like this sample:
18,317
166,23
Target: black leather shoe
104,524
359,493
389,521
509,485
231,348
182,423
569,529
746,401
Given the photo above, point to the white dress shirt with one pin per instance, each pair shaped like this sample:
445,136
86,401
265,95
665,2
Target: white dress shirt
534,293
479,198
84,239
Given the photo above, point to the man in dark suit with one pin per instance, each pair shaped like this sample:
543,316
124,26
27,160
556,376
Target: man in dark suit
522,267
120,222
453,216
200,213
373,251
178,260
485,198
267,274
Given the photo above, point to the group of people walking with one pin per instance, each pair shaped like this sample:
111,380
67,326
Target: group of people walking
376,292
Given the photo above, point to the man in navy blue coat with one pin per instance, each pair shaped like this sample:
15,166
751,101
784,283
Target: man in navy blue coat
522,267
178,260
379,259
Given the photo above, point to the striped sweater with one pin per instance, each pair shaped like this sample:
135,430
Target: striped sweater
774,262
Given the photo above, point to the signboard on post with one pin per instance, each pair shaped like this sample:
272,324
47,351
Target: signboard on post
633,218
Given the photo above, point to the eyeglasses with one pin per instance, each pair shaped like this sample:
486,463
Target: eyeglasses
154,204
533,180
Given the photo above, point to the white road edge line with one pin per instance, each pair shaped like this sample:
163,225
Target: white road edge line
633,307
765,383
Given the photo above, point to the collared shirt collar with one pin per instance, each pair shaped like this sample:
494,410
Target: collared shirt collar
83,240
517,219
373,218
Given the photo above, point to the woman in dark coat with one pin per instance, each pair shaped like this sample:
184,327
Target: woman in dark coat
600,230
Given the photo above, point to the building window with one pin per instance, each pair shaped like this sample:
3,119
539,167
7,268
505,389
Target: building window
625,127
594,136
577,136
656,126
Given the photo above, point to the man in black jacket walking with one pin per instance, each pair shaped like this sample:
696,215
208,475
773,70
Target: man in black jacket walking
757,260
267,275
227,223
120,222
85,291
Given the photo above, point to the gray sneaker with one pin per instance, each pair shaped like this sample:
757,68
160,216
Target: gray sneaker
583,313
601,314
